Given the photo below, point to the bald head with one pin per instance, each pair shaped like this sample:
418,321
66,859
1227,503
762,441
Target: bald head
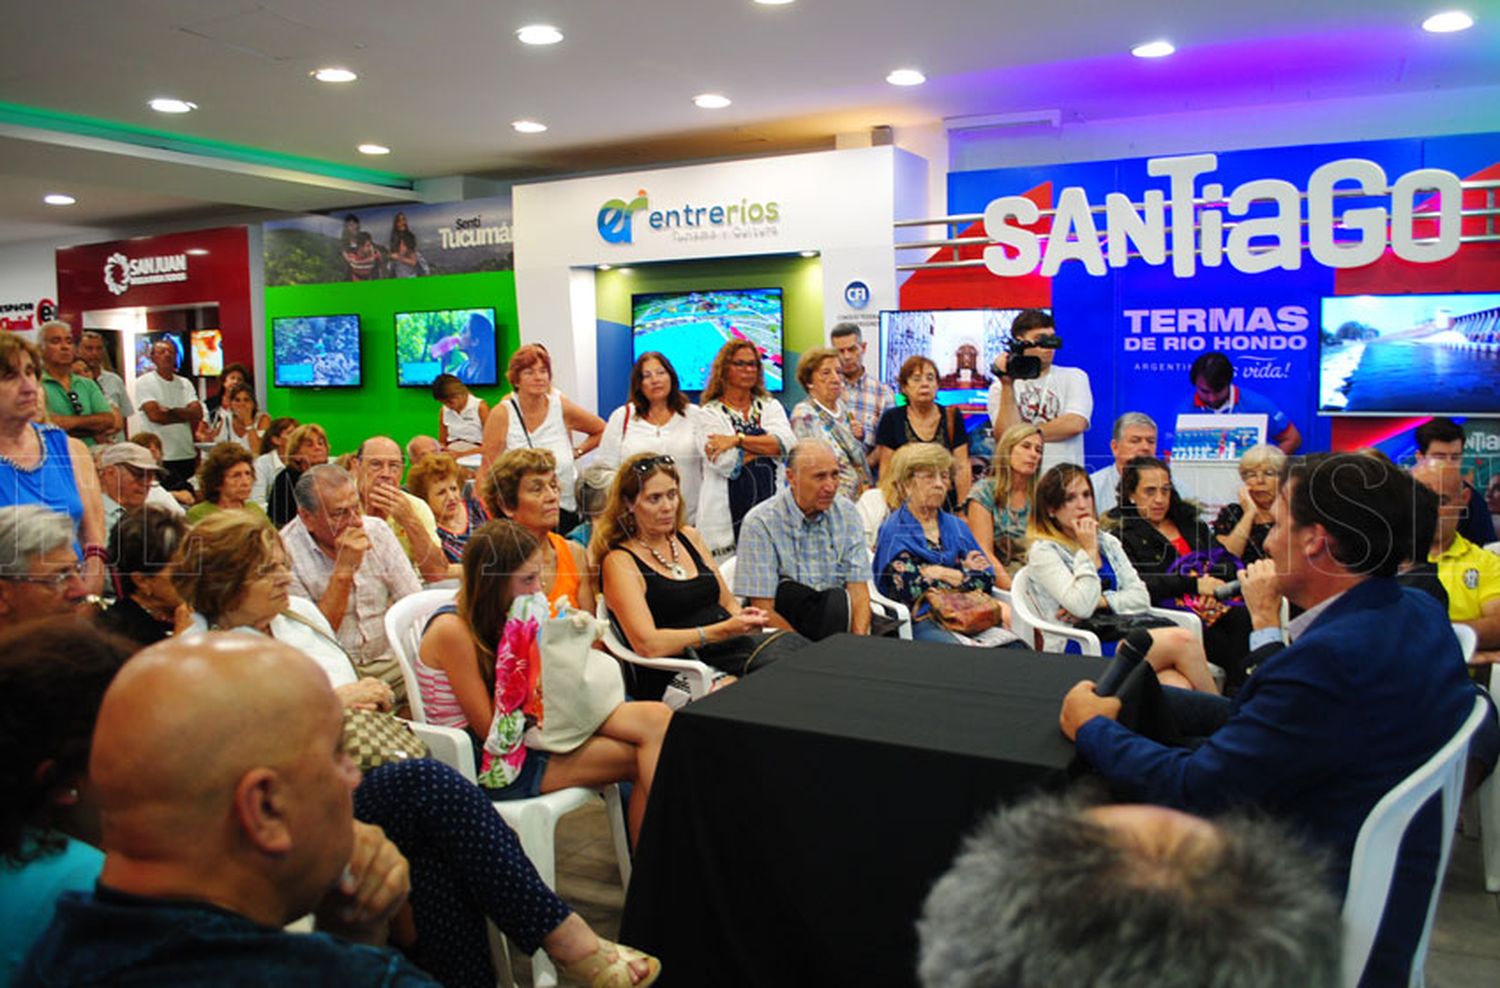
216,759
421,447
380,463
813,473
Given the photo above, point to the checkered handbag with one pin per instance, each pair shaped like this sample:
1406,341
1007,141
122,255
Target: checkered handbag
373,739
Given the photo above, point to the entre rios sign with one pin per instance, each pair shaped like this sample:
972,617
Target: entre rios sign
1202,225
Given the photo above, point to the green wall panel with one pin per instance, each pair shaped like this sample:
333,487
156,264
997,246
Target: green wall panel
379,407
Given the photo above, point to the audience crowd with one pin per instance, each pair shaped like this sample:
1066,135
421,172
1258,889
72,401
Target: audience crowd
174,809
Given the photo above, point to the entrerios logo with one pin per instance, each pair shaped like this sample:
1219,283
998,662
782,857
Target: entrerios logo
121,273
616,219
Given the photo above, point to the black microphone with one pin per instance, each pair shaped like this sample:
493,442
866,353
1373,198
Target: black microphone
1228,591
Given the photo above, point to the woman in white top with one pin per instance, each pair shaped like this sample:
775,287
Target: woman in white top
239,421
269,463
823,416
535,415
657,418
746,435
1076,570
461,422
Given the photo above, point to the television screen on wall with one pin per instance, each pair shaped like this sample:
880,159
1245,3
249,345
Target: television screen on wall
208,352
146,341
963,343
690,328
315,351
460,342
1409,355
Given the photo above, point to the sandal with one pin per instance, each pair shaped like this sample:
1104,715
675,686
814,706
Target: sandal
609,967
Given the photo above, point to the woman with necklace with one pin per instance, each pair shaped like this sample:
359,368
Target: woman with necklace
660,581
1000,505
923,420
41,464
1242,527
522,485
745,436
822,416
657,418
537,417
921,546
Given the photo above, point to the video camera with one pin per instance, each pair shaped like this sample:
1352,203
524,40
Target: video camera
1020,366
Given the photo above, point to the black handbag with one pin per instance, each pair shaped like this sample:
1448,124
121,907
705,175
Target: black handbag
1111,627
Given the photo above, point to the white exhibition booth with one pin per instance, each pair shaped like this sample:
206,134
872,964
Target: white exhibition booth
840,204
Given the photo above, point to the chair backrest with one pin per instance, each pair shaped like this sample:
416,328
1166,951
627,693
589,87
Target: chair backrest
1023,615
726,570
1468,640
403,629
1380,837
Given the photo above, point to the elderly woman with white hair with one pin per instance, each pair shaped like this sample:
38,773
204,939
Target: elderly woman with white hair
1241,528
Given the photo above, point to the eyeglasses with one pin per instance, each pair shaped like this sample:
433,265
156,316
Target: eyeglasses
54,581
76,402
652,462
747,364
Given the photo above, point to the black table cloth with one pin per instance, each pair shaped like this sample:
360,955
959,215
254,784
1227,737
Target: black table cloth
799,817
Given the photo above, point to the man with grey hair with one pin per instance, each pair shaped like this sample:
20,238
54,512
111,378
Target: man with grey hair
865,397
74,402
802,556
377,467
91,352
351,566
1134,435
40,575
126,472
1051,892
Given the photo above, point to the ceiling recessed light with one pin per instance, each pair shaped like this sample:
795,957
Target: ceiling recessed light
197,251
165,104
528,126
624,270
1447,22
605,267
334,74
772,3
710,101
374,149
1153,49
58,199
809,253
906,77
539,34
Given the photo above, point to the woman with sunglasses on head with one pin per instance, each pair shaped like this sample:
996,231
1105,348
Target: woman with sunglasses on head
41,464
657,418
660,581
746,435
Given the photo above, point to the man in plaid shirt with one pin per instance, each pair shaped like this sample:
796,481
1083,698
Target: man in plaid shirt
866,398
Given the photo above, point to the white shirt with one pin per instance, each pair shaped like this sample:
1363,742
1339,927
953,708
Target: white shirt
1106,483
267,466
1060,391
464,426
552,434
312,636
113,386
160,497
177,437
677,439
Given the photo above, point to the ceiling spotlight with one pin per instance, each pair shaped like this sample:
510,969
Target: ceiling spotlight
528,126
1447,22
1153,49
605,267
906,77
164,104
772,3
374,149
58,199
539,34
710,101
333,74
625,270
809,253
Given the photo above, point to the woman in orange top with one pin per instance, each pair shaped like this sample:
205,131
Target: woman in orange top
522,485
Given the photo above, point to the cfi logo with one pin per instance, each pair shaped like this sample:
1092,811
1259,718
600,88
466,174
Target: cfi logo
117,274
614,219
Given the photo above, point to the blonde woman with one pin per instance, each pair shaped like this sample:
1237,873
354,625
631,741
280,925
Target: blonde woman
306,447
999,507
1241,528
823,416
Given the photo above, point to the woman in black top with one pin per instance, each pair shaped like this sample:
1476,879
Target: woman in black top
148,608
923,420
1159,531
660,581
1242,527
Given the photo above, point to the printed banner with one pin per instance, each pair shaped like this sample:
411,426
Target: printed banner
411,241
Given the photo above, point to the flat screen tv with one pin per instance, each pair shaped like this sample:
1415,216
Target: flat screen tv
315,351
963,343
207,352
689,328
1409,355
146,341
460,342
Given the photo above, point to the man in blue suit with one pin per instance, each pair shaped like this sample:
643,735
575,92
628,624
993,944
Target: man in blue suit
1371,686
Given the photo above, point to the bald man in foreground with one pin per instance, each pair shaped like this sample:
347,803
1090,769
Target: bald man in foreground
227,813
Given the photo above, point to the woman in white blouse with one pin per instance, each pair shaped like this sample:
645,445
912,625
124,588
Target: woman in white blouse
657,418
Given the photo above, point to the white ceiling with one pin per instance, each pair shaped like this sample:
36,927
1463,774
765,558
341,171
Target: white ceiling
441,81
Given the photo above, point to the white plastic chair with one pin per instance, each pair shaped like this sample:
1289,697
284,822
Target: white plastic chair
1492,547
534,820
1029,625
1468,641
699,675
1488,795
1380,836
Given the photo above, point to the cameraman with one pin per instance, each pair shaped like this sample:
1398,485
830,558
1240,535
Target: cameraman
1058,400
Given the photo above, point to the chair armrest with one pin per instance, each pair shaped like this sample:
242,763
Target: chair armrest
449,745
1183,619
895,610
700,675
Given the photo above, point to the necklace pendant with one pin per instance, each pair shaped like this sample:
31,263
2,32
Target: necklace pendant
678,573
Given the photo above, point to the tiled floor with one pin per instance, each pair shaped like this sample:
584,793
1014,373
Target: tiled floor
1465,950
